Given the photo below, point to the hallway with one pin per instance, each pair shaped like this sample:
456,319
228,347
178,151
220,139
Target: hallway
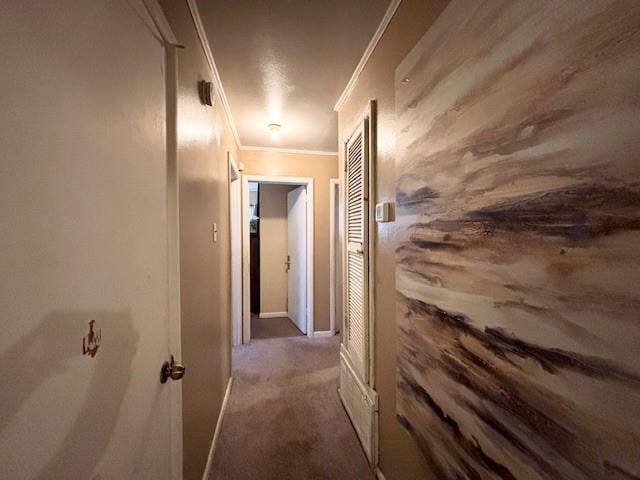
284,419
320,240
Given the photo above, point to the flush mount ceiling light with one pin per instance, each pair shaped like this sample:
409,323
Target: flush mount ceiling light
274,128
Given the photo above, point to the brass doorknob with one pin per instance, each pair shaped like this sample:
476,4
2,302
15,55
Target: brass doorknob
172,370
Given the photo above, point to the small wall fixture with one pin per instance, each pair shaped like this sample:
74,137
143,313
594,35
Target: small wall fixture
206,92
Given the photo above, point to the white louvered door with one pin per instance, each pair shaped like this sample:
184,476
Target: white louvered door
357,228
356,382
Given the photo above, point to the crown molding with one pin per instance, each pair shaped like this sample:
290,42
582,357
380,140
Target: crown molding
287,150
384,23
202,35
160,21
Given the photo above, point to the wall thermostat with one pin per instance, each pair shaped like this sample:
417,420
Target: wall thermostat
383,212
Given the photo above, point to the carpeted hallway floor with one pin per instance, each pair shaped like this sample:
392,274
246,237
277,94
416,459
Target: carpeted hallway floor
262,328
284,419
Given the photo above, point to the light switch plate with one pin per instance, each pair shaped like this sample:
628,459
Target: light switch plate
383,212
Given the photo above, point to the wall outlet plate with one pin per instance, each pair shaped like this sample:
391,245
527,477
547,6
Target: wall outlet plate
383,212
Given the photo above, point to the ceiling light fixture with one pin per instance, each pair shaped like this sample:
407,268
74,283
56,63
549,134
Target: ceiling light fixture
275,130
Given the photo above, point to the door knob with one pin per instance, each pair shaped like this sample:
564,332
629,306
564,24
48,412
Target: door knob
173,370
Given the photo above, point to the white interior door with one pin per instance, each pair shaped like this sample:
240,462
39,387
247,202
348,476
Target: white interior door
84,243
297,248
356,390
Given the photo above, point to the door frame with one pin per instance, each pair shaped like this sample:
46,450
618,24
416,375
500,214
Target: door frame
171,46
235,212
173,253
334,211
246,291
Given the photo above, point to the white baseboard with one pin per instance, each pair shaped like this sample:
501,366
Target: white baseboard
379,474
273,314
216,434
323,333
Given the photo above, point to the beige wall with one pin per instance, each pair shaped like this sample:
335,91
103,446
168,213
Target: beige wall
273,248
399,455
321,168
204,138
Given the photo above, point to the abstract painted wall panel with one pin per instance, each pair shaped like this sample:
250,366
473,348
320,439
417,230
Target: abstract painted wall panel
518,240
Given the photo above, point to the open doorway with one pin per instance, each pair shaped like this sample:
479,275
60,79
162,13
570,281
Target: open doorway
277,257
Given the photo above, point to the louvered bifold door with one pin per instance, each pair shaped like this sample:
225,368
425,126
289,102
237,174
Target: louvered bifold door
356,281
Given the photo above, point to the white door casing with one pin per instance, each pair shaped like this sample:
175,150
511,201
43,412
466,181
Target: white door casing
335,256
235,223
308,182
297,257
173,253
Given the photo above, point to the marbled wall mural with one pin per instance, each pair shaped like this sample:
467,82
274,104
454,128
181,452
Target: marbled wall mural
518,240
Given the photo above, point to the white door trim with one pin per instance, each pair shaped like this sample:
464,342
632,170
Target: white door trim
235,213
246,290
173,253
173,225
160,21
170,45
334,185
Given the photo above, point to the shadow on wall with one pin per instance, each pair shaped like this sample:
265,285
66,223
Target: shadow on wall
47,351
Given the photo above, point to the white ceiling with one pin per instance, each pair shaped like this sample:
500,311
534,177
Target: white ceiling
287,62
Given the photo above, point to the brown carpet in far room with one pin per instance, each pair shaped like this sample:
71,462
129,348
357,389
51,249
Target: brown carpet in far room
278,327
284,420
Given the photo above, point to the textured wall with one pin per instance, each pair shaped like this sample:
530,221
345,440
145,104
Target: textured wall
518,195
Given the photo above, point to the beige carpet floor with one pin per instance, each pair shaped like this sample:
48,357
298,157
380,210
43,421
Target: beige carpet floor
284,419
